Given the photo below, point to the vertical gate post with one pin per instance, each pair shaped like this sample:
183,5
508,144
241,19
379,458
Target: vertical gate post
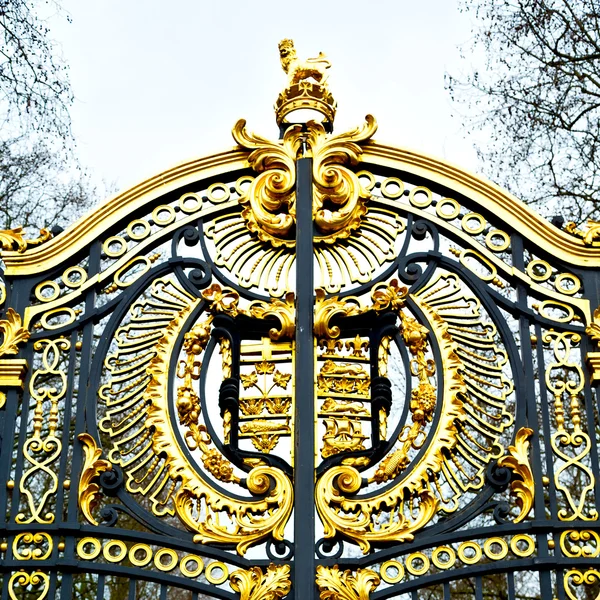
304,421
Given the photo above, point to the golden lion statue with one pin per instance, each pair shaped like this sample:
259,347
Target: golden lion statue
298,70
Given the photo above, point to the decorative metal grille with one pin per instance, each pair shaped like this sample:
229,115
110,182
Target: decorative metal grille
315,367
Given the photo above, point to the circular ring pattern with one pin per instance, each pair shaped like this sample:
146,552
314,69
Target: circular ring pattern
160,210
393,564
191,572
242,181
74,271
466,220
495,233
412,197
443,564
221,578
172,556
185,203
119,556
417,570
469,560
392,181
218,187
521,537
569,291
533,270
140,562
136,224
91,554
368,175
447,216
121,246
487,548
47,284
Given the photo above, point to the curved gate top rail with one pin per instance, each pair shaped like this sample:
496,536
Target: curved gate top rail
312,367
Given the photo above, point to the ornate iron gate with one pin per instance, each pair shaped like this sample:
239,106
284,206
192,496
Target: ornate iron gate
184,416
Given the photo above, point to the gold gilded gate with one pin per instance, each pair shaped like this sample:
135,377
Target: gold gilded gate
313,367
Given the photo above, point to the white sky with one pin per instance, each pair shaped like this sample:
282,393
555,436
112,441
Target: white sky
160,82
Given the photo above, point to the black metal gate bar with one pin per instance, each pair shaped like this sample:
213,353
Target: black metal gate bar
304,417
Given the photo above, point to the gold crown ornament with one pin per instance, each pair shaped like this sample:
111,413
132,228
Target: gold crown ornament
307,86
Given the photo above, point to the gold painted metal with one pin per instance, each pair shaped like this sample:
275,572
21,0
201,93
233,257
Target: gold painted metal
13,239
576,577
570,444
593,358
146,446
470,404
334,584
13,333
583,543
89,491
12,374
517,461
42,546
48,384
12,371
254,584
307,85
226,300
270,200
39,580
589,235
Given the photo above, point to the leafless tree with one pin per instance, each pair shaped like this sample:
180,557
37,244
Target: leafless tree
536,100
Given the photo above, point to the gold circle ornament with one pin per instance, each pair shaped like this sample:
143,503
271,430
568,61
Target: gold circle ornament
216,580
89,554
191,572
140,562
469,560
391,564
121,551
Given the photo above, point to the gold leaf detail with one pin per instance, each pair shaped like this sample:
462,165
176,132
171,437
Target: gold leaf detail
589,236
93,466
327,308
253,584
14,333
517,461
334,584
13,239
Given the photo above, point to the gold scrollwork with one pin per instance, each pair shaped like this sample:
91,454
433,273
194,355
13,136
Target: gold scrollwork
41,541
226,300
37,579
574,577
13,239
466,436
334,584
517,461
254,584
48,383
339,199
89,491
583,543
565,378
251,520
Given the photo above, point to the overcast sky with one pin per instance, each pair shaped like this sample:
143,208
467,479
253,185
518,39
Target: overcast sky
160,82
